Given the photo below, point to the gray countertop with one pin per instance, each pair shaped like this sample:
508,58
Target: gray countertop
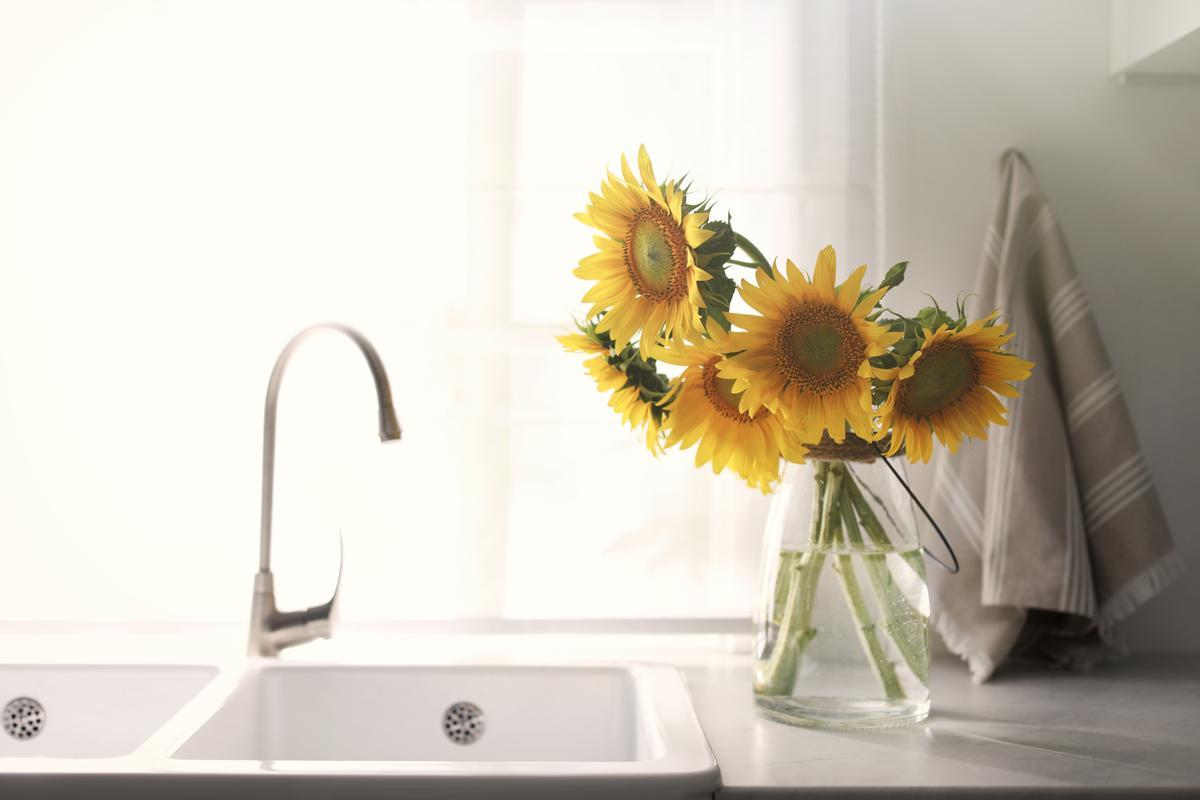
1130,729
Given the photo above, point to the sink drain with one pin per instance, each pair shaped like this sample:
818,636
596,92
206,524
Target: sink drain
463,723
24,718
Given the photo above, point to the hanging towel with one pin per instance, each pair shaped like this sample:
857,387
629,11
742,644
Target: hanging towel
1059,528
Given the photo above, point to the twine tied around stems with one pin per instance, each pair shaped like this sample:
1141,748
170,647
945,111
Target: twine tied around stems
852,448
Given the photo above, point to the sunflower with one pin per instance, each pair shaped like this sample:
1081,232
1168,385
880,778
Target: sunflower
626,397
637,413
645,270
704,408
805,354
949,388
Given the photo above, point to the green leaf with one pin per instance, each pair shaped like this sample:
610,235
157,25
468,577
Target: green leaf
588,329
717,294
933,317
962,310
644,373
905,348
885,361
719,248
894,276
684,186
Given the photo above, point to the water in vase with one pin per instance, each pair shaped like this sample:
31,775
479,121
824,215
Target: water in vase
861,659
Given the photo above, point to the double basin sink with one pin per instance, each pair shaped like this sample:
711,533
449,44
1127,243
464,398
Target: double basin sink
323,730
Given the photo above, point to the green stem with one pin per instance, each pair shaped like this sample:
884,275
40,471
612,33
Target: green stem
777,674
755,254
874,528
830,518
842,529
885,670
820,474
869,521
795,592
783,579
840,516
906,626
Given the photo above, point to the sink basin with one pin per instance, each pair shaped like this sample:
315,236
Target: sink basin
317,730
89,711
516,731
400,714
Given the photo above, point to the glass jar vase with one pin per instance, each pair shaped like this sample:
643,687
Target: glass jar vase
842,626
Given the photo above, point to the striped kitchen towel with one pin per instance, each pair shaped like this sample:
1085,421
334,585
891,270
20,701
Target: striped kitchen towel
1059,528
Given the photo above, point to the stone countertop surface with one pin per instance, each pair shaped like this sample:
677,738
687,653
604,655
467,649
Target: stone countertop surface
1123,730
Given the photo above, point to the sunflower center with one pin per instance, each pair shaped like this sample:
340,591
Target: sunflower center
945,372
656,254
819,349
721,396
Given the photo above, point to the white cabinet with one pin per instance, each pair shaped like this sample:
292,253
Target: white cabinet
1155,37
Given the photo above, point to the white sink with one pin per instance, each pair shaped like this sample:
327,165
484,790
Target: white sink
90,711
279,728
545,731
340,713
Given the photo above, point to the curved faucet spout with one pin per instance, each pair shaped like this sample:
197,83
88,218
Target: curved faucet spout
270,629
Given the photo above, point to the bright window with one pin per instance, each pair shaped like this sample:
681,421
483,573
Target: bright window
183,186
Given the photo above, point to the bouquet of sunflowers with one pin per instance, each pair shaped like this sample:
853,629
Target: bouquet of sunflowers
810,366
817,358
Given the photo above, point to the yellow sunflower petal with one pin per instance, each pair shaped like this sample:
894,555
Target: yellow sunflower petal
825,272
847,293
648,179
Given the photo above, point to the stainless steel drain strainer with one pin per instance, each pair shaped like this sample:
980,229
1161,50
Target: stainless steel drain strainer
463,723
24,718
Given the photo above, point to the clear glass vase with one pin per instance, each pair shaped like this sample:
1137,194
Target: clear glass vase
843,619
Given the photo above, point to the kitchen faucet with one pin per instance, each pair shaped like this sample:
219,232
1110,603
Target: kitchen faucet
272,630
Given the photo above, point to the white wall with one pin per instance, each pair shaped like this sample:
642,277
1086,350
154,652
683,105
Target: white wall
1121,165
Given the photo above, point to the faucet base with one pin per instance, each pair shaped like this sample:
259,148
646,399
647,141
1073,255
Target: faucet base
272,630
